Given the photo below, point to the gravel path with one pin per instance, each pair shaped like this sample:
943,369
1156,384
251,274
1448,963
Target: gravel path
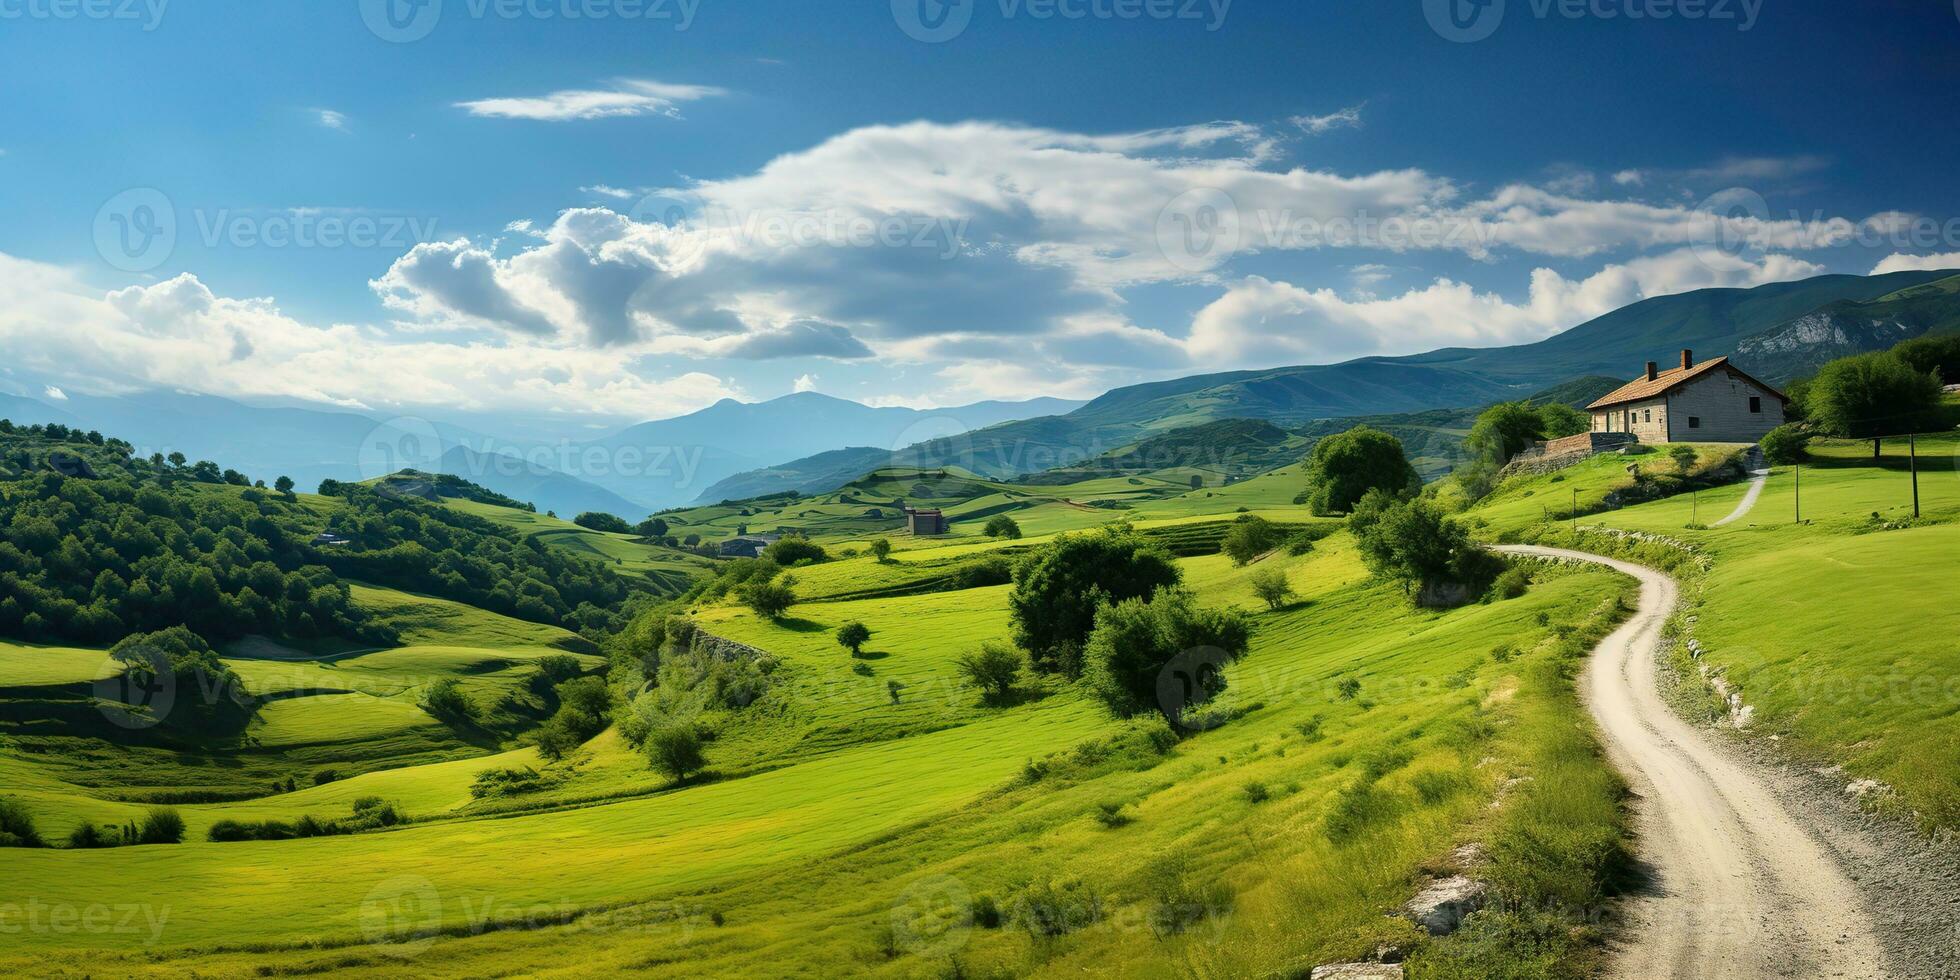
1758,476
1740,887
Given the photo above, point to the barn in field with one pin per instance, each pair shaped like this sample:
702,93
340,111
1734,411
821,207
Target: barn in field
925,523
1713,401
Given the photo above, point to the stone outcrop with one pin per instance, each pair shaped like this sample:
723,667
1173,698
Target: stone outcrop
1443,906
1358,971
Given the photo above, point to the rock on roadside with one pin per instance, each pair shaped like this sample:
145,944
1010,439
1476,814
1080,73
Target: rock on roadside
1443,906
1358,971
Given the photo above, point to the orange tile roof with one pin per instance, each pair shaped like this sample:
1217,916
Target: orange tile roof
1641,389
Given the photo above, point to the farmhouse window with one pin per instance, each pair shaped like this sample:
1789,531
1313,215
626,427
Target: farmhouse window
1647,416
1694,421
1756,406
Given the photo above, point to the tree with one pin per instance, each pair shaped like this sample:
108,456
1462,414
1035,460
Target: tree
770,598
177,460
1249,538
556,738
445,700
284,485
161,826
795,550
881,549
652,527
1414,543
598,521
17,826
1003,526
1684,457
1271,586
1346,466
853,636
1059,588
1936,354
993,668
1869,396
1138,644
1786,445
675,749
1501,432
1558,420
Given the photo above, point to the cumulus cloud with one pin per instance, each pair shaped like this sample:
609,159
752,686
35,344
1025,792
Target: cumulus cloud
180,334
1901,262
628,97
53,393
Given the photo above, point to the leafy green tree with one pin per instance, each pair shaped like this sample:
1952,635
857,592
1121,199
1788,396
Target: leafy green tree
1500,432
770,598
1869,396
1786,444
1136,641
881,549
652,527
1346,466
1248,538
1558,420
17,825
557,738
1933,354
445,700
207,694
993,668
598,521
284,485
675,750
1003,526
1684,457
1271,586
1414,543
1059,588
795,550
853,636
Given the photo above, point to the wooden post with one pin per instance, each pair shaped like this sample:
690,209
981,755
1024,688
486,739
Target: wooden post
1799,493
1912,453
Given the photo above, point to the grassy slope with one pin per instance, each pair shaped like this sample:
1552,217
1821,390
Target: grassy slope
870,798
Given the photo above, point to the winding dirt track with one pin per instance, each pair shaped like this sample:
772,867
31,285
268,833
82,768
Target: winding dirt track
1740,889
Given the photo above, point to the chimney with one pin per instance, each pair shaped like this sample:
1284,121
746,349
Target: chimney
1653,370
1687,359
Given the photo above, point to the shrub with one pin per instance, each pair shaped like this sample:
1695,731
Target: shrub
853,636
795,550
1176,904
1110,814
509,782
1272,588
1003,526
1416,544
1299,544
1136,641
1256,792
89,836
993,669
675,750
1060,588
982,572
1348,688
445,700
17,825
1786,445
325,776
555,669
769,599
881,549
161,826
1511,584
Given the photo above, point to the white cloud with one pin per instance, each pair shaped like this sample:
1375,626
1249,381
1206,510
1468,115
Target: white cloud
1348,118
1901,262
607,190
807,382
53,393
1630,178
629,97
331,119
179,334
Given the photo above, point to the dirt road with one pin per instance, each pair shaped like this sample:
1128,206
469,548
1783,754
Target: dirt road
1758,476
1740,889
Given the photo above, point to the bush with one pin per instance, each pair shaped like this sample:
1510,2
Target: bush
1786,445
1136,641
510,782
1112,815
795,550
1345,467
1003,526
993,669
1936,354
88,836
675,750
17,826
1299,544
1059,589
1684,457
1249,538
555,669
769,599
853,636
1256,792
1871,395
982,572
1271,586
596,521
1511,584
445,700
881,549
161,826
1412,542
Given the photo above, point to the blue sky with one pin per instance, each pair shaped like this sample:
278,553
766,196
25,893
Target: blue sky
635,216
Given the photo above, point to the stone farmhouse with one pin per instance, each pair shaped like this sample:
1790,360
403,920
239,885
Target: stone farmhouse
1714,401
926,523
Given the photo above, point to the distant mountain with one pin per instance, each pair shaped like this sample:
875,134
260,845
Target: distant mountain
682,459
27,411
1800,346
1433,440
821,473
544,488
1238,447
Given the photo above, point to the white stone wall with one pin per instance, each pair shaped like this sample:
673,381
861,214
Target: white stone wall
1721,402
1647,420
